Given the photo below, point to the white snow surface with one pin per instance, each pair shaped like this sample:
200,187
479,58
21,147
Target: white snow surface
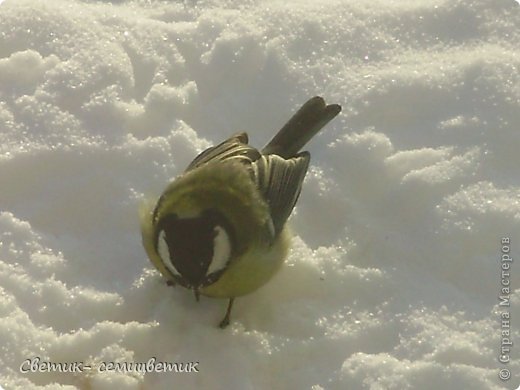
395,270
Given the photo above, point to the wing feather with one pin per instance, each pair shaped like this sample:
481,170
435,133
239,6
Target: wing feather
280,181
235,147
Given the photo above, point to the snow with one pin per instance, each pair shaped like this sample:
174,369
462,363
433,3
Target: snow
395,272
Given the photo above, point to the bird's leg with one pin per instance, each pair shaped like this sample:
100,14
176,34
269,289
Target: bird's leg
225,320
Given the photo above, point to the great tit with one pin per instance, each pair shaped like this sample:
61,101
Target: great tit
219,228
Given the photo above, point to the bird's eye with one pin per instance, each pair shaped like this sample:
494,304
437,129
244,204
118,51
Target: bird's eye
221,250
164,253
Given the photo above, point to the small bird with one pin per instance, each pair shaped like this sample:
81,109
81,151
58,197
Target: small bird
219,229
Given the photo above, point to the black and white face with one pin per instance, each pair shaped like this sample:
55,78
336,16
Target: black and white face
197,249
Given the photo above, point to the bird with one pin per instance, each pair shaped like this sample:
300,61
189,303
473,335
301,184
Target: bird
220,228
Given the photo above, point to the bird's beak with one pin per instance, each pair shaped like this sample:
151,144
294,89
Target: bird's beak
197,294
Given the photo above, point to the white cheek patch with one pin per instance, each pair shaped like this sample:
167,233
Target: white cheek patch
164,253
221,251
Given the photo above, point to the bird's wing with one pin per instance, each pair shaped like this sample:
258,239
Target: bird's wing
280,182
235,147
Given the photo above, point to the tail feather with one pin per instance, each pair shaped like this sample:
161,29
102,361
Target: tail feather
303,125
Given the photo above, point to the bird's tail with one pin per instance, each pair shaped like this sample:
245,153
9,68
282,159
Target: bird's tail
303,125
